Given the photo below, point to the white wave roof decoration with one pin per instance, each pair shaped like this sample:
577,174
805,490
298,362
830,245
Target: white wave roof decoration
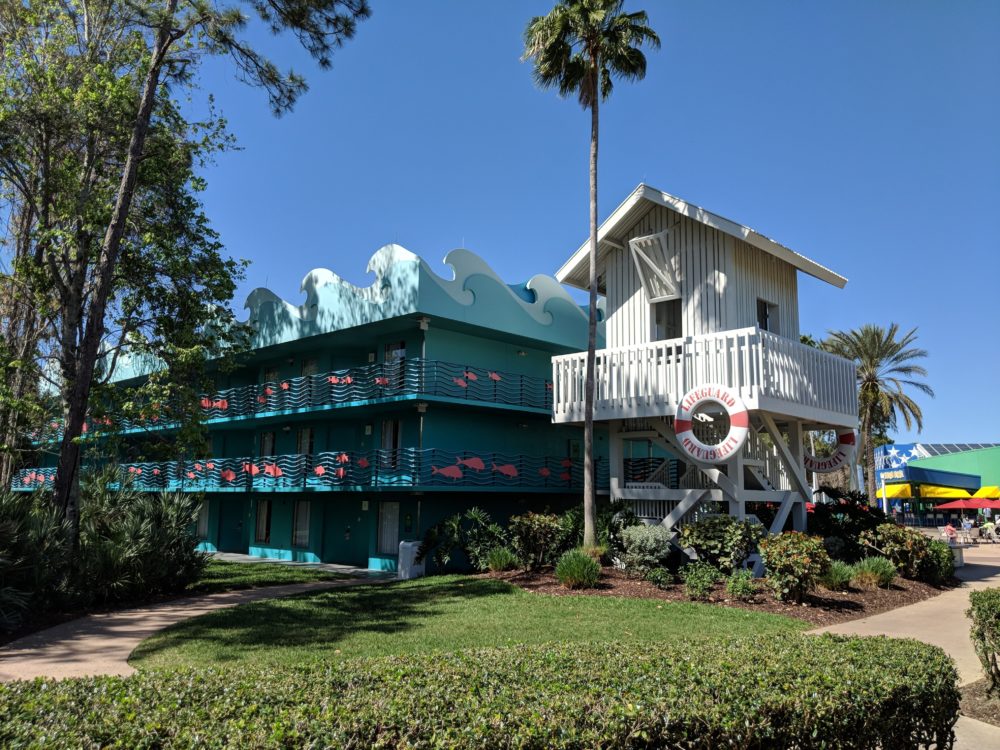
404,284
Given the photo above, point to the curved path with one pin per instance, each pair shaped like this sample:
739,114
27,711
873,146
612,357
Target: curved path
941,621
100,644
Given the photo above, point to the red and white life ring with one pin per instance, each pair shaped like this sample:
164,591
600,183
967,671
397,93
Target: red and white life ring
739,423
843,454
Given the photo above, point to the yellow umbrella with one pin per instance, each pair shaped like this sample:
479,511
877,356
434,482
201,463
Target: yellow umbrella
951,493
991,491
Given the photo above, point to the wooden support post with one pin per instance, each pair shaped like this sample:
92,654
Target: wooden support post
795,450
795,471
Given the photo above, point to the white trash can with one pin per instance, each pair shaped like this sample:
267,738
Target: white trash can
408,565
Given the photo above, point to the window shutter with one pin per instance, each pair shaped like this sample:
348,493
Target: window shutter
658,276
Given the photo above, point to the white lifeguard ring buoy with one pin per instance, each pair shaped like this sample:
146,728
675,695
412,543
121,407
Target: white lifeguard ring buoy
845,450
739,423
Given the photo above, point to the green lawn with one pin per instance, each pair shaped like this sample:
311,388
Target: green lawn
437,613
226,576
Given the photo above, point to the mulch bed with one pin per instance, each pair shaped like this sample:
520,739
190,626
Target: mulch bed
978,705
821,608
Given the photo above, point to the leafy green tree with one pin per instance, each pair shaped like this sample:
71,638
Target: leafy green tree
887,367
101,169
579,48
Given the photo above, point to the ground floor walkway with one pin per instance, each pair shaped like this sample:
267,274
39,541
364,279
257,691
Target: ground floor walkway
100,644
941,621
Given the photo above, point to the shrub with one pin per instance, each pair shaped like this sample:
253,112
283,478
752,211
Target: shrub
132,545
598,552
722,541
534,539
872,572
794,563
699,580
985,634
612,519
842,523
798,691
906,548
578,570
660,577
646,547
938,567
499,559
473,533
838,577
740,585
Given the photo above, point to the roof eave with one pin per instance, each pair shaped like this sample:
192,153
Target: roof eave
571,272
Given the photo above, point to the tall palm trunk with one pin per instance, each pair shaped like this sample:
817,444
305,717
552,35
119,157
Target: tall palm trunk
589,494
866,437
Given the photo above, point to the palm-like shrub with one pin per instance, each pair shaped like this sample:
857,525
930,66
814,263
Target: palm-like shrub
500,559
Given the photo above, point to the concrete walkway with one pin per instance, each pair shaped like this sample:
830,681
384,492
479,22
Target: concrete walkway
941,621
100,644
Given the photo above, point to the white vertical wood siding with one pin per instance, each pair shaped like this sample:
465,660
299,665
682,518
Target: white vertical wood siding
721,279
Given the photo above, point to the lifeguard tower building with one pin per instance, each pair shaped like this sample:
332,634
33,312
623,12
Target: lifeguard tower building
703,360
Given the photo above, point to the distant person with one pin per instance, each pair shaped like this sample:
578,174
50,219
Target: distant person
951,534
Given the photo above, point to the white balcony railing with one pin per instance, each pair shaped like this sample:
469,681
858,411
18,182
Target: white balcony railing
769,373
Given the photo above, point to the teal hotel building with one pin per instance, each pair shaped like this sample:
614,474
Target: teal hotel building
364,416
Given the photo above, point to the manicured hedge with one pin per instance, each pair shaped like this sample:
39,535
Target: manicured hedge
803,692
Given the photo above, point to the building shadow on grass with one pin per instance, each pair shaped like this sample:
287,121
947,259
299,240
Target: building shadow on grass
323,619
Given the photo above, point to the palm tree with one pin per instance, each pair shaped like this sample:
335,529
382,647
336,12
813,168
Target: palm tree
886,366
579,48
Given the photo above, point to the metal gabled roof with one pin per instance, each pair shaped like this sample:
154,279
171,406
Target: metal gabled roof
574,271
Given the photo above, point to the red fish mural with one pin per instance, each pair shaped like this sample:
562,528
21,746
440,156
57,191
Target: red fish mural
209,466
285,386
253,469
343,458
566,463
156,472
228,474
363,463
565,476
460,383
273,470
451,472
332,379
495,377
319,471
261,399
474,463
544,471
471,376
206,403
381,381
269,391
190,475
197,467
347,380
508,470
341,472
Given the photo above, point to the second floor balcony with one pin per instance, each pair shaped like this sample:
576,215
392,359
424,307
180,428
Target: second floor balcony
430,380
769,372
399,469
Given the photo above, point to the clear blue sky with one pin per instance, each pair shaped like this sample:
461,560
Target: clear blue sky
862,134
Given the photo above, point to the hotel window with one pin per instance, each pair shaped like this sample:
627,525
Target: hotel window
267,443
263,533
271,374
300,524
309,367
203,521
304,443
767,316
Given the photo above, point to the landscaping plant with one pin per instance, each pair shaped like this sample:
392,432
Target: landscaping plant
756,692
578,570
534,539
838,576
985,634
872,572
722,541
646,547
795,562
906,548
474,533
699,580
500,559
938,567
740,585
842,522
660,577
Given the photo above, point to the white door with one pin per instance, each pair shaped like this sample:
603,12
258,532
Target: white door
388,528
